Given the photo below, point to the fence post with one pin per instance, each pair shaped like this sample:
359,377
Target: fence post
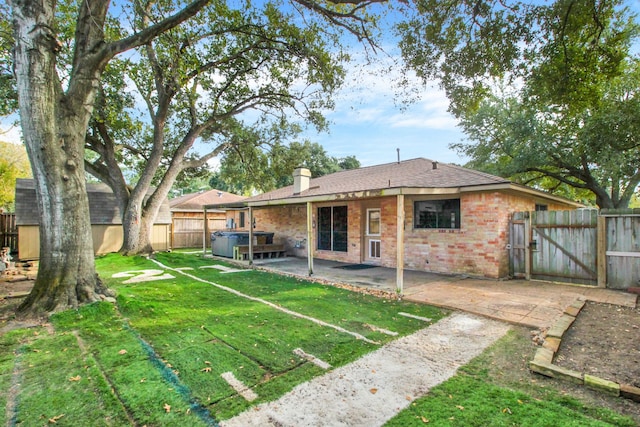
601,251
527,248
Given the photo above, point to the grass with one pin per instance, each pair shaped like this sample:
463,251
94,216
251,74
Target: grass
157,355
481,394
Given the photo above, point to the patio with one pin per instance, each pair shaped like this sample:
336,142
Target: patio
530,303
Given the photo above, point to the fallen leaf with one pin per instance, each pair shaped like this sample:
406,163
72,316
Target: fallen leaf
207,369
506,410
55,419
123,351
460,407
424,420
373,390
206,362
76,378
167,408
143,380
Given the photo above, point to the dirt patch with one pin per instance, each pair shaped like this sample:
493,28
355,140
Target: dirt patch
603,342
12,293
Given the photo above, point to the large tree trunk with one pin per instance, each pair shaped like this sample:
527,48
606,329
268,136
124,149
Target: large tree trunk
141,213
53,132
137,225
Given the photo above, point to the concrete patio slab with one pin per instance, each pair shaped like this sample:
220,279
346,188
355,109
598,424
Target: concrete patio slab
531,303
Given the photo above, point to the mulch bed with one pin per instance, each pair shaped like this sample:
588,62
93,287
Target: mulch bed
604,341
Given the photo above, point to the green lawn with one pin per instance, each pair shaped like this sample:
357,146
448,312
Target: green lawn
157,357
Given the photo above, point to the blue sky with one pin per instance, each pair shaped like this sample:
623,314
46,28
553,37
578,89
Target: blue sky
371,123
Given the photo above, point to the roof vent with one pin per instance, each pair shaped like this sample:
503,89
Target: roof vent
434,165
301,178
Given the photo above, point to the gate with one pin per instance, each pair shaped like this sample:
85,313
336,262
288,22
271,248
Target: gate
555,245
9,232
622,249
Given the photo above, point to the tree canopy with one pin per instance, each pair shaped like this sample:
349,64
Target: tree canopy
266,56
234,77
548,94
249,166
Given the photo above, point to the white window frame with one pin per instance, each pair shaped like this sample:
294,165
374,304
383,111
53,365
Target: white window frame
369,211
377,243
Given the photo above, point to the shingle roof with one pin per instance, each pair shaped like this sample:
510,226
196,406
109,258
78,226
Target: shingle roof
196,201
103,208
414,173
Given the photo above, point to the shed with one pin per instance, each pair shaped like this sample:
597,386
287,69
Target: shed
106,221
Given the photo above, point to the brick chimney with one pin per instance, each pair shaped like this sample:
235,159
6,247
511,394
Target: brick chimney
301,177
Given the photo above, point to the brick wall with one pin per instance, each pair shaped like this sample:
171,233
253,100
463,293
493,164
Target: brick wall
477,248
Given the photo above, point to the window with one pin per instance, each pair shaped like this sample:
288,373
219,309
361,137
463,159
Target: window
540,207
374,249
241,220
332,228
437,213
373,222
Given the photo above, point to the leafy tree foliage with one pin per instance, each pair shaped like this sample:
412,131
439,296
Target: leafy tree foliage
250,166
13,164
547,93
230,78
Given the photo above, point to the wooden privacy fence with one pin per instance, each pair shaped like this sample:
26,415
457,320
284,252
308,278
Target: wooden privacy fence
9,231
186,232
582,246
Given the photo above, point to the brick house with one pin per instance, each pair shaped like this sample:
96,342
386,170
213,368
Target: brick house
448,219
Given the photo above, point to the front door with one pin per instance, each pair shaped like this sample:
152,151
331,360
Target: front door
372,241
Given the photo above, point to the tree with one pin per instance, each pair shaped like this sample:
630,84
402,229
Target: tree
548,94
54,113
252,166
204,83
13,164
60,53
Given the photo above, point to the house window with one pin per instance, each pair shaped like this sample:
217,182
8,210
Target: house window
437,213
373,222
332,228
374,249
540,207
241,220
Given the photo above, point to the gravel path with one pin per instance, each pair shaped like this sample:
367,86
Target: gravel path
371,390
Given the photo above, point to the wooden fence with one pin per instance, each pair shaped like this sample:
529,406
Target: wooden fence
187,232
9,232
583,246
